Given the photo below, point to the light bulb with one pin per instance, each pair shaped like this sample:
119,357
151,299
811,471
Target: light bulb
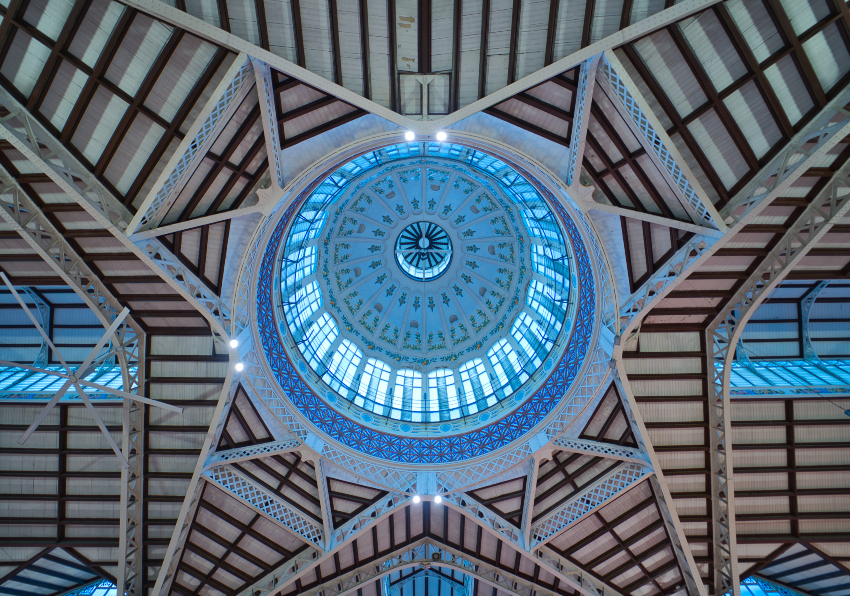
438,499
416,498
234,343
239,366
409,135
441,136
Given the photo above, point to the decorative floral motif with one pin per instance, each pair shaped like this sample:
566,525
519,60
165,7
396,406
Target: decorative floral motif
379,233
434,450
341,258
391,290
468,233
440,344
390,338
374,248
353,306
412,341
361,204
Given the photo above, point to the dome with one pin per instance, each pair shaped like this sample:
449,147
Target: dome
422,290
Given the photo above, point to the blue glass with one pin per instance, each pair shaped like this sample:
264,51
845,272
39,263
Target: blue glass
524,189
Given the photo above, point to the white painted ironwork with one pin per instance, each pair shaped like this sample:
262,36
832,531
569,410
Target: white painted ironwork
43,310
807,148
221,458
458,588
425,553
659,282
581,117
191,150
269,504
271,583
368,517
528,502
168,568
607,450
128,347
723,334
49,156
806,304
265,93
590,498
651,218
486,516
216,35
658,144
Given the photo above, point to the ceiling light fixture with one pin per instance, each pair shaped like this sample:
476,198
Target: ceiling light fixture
438,499
409,135
441,136
239,367
416,498
234,343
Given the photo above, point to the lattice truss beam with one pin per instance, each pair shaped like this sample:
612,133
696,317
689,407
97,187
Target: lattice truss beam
321,514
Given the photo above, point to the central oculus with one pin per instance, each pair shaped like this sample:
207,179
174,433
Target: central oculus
423,250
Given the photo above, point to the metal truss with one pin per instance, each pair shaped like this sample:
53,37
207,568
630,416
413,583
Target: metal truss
50,157
620,479
128,348
425,554
457,588
265,93
723,335
806,304
663,497
43,310
494,524
651,218
270,505
805,150
291,570
200,136
528,502
482,514
230,456
193,492
808,147
586,83
178,18
607,450
655,140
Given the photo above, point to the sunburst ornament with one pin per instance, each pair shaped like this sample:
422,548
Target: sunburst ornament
423,250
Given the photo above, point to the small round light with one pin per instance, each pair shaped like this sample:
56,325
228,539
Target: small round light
234,343
416,498
441,136
240,367
438,499
409,135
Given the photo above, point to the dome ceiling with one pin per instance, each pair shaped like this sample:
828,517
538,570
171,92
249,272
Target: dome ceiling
425,289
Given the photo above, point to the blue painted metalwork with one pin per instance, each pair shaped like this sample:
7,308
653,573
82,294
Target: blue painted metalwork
515,181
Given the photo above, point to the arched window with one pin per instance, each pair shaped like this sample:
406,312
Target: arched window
344,363
374,385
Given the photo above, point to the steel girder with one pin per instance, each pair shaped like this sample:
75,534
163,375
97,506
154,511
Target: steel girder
578,138
722,336
164,12
24,132
236,83
19,210
806,148
658,145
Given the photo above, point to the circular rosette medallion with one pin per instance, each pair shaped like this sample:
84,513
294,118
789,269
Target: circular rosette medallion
423,250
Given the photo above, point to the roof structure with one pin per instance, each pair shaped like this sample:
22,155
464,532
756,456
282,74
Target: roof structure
664,413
